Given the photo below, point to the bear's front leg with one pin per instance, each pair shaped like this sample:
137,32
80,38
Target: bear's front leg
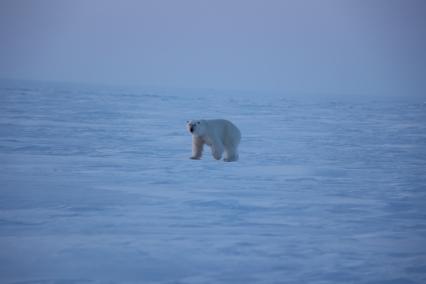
197,148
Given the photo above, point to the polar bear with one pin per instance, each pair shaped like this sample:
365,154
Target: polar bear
220,134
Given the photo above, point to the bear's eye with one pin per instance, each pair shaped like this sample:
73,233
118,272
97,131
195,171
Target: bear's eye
198,122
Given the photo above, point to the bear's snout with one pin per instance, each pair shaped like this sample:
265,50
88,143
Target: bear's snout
191,128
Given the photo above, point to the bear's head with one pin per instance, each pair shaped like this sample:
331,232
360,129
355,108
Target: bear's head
196,127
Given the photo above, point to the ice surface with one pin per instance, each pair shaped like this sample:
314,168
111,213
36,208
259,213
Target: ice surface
97,187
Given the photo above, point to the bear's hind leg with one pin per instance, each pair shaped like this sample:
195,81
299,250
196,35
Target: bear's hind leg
231,155
217,150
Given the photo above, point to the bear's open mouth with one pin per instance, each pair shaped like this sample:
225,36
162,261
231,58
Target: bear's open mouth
191,128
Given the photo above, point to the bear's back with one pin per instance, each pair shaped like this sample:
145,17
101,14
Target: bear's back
227,129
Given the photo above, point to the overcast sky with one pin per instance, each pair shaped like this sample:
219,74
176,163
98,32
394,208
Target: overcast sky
327,46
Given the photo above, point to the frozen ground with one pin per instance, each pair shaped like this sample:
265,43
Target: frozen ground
97,187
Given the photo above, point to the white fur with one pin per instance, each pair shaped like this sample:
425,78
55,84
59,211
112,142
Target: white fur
221,135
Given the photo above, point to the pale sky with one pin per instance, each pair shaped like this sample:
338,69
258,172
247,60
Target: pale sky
300,46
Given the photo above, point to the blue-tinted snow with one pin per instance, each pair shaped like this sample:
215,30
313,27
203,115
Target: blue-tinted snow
97,187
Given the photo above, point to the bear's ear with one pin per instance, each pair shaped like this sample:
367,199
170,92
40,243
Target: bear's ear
198,122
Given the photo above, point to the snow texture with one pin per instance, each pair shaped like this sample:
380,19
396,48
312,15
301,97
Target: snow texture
97,187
